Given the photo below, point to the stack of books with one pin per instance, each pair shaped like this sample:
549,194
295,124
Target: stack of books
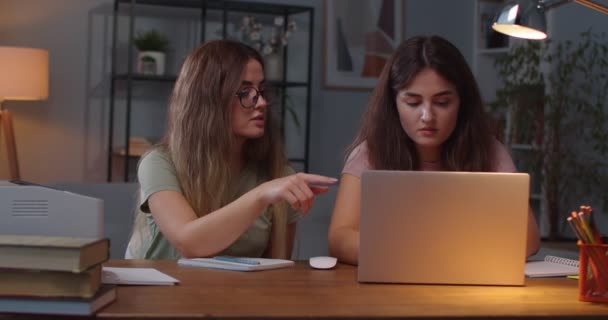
53,275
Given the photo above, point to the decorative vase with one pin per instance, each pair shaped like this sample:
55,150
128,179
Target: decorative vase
151,63
273,66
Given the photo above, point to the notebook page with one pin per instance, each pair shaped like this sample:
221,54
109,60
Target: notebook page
551,267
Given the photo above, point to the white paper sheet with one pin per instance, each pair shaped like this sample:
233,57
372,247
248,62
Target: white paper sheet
137,276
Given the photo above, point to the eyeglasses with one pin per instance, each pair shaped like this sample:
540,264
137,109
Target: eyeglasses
249,97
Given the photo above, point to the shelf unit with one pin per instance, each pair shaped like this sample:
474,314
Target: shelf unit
138,102
488,46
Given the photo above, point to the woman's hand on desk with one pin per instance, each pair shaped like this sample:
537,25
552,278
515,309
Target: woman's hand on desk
298,190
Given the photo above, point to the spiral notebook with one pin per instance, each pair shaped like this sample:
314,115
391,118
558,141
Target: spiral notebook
552,266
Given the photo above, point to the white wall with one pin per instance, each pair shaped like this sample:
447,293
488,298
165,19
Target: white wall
51,135
567,21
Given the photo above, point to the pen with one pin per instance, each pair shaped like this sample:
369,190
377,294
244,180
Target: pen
236,260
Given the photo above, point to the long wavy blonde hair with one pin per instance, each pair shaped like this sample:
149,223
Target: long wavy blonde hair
199,138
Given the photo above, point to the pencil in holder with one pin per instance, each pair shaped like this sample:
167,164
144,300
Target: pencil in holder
593,273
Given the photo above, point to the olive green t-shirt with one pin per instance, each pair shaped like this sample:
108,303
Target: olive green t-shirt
157,173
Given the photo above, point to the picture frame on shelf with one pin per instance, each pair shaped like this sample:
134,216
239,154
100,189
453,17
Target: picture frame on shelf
359,37
489,39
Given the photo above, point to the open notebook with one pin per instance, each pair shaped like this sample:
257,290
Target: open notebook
552,266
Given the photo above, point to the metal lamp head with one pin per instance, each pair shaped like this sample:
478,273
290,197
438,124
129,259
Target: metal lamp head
522,19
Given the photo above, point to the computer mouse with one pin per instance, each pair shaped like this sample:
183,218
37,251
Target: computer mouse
322,262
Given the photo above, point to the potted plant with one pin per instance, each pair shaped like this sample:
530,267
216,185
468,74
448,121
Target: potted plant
152,46
568,124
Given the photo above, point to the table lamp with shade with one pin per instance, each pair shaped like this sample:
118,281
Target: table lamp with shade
24,75
526,18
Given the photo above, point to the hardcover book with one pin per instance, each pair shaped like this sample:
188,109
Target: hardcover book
52,253
50,284
59,306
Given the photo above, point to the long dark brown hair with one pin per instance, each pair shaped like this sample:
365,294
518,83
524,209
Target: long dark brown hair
199,138
469,147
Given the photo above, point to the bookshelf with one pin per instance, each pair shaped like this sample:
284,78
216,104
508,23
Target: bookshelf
138,102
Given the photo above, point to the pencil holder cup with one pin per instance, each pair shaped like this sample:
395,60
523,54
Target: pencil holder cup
593,273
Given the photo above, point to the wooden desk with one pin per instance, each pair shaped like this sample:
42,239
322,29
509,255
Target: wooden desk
301,292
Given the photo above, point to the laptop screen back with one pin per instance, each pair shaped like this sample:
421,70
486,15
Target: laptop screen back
443,227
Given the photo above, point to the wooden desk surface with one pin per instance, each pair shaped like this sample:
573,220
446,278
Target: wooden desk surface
301,292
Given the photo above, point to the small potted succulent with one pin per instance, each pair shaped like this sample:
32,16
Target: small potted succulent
152,47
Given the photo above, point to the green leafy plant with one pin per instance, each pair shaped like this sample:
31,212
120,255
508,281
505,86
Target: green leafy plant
292,112
557,93
275,96
151,41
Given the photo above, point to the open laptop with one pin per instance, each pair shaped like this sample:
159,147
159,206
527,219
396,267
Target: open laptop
443,227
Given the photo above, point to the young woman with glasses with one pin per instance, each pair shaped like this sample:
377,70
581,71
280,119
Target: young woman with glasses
425,113
219,182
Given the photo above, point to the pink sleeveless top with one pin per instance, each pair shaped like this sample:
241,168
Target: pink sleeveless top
357,161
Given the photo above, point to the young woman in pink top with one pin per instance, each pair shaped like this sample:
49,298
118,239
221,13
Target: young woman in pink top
425,113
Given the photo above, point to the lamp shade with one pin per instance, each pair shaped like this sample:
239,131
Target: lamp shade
522,19
24,73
